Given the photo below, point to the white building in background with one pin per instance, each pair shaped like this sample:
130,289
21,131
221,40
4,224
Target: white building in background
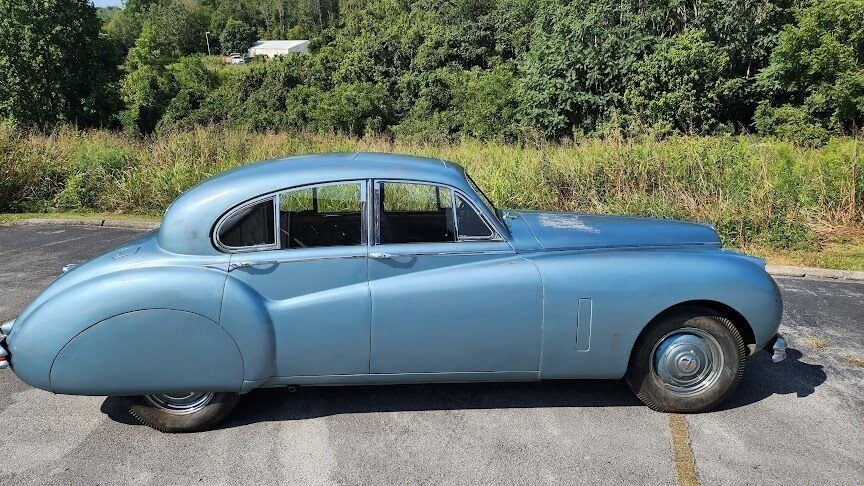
273,48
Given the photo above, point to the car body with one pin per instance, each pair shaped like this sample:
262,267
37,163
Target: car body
371,269
236,59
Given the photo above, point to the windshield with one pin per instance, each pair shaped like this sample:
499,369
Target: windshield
482,195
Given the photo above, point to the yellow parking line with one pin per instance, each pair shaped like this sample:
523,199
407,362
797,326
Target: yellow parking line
682,453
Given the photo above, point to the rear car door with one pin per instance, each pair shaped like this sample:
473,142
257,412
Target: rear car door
449,294
309,272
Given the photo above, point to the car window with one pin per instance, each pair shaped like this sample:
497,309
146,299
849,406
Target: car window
469,223
249,226
327,215
415,213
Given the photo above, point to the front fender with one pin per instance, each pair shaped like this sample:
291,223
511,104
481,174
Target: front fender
40,334
616,293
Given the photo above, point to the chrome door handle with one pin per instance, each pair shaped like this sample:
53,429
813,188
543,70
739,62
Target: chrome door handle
235,266
381,256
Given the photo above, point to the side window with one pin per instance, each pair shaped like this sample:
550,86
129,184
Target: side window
328,215
471,225
415,213
249,227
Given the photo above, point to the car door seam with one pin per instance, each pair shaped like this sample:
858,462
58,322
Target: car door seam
542,313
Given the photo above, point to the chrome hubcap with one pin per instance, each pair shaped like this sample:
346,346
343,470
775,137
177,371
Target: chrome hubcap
180,403
687,361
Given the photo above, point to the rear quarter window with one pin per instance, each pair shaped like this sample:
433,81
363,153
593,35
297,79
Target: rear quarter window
250,226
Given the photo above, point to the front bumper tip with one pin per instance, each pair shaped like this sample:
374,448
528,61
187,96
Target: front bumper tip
777,347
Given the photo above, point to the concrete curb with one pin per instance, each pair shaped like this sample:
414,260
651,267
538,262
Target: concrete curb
810,272
108,223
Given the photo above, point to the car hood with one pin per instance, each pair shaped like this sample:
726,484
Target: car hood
564,231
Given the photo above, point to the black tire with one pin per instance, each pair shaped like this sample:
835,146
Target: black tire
646,382
146,411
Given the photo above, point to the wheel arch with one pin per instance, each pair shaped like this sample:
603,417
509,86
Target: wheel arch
724,310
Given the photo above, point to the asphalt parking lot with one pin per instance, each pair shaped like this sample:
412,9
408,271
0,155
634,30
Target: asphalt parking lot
797,422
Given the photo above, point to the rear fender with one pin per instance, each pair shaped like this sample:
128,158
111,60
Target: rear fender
38,338
149,351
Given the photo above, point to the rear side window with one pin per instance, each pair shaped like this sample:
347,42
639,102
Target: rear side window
328,215
251,226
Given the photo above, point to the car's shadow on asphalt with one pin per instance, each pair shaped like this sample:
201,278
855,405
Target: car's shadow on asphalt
762,379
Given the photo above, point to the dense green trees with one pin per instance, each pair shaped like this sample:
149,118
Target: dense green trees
493,69
237,36
680,85
815,81
55,67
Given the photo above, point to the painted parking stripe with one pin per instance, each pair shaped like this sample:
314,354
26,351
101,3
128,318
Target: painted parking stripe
682,453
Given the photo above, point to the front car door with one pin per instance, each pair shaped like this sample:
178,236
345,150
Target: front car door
303,252
449,293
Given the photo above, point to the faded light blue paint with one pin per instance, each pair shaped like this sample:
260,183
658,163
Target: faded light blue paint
558,295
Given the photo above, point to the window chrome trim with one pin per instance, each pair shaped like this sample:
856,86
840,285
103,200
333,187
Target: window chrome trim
275,197
274,200
496,235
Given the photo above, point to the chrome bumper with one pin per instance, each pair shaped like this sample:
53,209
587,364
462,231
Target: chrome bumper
777,347
4,355
5,329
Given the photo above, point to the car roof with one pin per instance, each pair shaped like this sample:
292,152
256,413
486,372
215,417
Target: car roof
188,221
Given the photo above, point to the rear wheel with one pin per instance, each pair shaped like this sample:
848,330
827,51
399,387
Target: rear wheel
688,362
181,412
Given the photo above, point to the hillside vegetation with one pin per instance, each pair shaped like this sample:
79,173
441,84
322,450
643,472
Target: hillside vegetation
502,70
754,190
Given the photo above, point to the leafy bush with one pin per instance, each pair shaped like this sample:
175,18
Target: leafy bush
679,84
791,123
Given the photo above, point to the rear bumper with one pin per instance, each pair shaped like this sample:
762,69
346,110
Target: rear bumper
4,353
777,347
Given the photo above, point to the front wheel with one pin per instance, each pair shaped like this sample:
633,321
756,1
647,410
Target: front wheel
181,412
689,362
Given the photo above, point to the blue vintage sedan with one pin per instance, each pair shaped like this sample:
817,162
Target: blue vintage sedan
373,269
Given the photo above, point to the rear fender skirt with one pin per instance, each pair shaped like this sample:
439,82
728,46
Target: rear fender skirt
149,351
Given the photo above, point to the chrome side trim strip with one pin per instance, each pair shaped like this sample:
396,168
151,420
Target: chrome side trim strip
249,264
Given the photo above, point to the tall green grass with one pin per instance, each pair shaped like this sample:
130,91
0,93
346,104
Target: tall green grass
752,189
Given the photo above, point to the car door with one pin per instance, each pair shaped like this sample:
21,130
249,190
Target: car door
311,276
445,300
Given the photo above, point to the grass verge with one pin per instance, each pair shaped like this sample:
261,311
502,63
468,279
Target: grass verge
843,254
12,218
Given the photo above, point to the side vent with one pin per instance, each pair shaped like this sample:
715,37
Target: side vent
583,325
